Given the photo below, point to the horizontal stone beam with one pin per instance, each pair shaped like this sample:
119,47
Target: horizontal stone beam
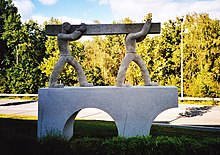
105,29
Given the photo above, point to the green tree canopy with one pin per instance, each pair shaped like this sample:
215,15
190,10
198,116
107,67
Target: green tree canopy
24,51
27,56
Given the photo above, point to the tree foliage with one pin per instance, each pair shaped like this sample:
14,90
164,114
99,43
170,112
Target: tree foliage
8,14
27,56
24,51
202,55
161,54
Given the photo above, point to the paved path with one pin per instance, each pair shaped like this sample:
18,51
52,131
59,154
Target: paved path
19,107
208,117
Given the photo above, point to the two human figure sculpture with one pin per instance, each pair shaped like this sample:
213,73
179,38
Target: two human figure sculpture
65,57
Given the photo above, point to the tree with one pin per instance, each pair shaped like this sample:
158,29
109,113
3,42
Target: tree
28,57
95,61
10,24
202,55
106,54
10,21
29,50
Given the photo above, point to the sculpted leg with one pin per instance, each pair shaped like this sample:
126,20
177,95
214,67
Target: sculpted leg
123,68
56,72
81,76
144,71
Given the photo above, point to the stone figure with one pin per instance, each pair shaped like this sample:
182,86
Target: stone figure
65,57
131,55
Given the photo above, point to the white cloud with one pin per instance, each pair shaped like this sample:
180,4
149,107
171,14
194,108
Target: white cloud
70,20
48,2
135,9
161,10
25,8
74,20
41,19
103,2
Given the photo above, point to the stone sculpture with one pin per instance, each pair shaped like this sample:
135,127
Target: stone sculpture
65,57
131,55
135,33
133,109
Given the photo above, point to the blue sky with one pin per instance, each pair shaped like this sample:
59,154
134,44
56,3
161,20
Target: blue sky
107,11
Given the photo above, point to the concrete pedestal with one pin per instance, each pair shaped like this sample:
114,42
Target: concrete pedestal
132,108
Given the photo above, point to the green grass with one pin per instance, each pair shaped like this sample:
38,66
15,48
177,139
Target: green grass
208,103
98,129
18,136
19,117
157,130
18,98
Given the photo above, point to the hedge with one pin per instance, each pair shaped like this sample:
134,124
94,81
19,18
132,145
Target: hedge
130,146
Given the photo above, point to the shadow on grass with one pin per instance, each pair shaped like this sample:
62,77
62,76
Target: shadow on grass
17,136
20,136
95,129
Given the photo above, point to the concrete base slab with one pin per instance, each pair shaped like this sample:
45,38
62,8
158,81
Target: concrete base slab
132,108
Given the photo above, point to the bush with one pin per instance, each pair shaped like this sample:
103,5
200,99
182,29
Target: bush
19,137
130,146
54,144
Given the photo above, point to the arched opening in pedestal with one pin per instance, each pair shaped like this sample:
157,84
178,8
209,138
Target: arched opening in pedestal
90,122
167,116
165,119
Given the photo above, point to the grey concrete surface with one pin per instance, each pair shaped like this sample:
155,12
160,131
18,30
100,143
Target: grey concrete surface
133,108
105,29
19,107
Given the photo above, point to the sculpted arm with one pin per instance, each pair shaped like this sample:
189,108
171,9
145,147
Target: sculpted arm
71,37
142,34
77,34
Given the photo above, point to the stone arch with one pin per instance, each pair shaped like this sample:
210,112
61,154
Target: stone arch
133,108
68,129
160,115
69,125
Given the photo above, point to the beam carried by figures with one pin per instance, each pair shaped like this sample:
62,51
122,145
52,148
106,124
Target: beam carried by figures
105,29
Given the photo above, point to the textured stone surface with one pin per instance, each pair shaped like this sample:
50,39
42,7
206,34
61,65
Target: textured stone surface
132,108
105,29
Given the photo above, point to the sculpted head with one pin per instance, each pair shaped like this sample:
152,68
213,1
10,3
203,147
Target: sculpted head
66,27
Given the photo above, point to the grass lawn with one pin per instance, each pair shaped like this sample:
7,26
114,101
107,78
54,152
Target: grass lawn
18,135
